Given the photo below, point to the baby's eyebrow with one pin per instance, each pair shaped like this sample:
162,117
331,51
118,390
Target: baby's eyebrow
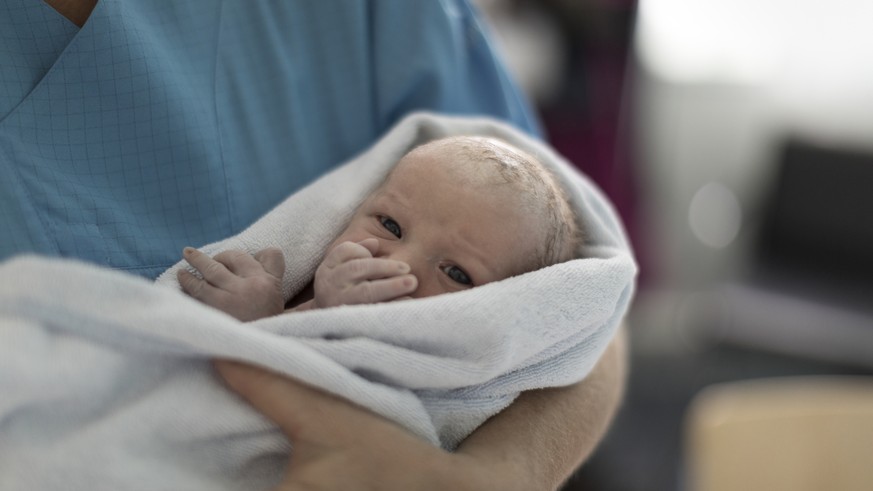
389,196
480,257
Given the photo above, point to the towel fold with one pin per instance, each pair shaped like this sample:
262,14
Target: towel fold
104,377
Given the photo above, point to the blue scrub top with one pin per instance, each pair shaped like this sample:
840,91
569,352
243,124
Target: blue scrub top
161,124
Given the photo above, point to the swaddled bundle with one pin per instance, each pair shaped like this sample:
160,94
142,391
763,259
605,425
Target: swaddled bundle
114,374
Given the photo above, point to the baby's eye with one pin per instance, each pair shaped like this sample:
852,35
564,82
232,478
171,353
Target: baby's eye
391,226
458,275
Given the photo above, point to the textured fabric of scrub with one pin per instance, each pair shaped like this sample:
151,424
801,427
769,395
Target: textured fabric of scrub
163,124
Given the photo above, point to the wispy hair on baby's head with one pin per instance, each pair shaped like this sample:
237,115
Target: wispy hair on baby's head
488,161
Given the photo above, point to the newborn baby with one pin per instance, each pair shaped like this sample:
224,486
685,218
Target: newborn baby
453,214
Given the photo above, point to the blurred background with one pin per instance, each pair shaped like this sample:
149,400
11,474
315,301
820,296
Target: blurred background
735,138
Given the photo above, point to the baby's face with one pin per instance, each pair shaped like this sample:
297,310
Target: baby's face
453,234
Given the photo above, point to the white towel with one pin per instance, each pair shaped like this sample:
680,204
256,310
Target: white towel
105,381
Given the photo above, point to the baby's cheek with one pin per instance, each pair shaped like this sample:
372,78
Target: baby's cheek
428,286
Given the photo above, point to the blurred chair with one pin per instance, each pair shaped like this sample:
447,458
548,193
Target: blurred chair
809,281
792,433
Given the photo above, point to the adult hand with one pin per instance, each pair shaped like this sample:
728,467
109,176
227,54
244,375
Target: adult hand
237,283
351,275
340,446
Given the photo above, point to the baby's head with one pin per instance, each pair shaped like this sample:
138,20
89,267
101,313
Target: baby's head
466,211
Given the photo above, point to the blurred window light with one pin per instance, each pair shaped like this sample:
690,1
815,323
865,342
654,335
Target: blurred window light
815,43
715,216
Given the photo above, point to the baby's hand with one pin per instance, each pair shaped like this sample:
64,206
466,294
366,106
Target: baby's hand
351,275
237,283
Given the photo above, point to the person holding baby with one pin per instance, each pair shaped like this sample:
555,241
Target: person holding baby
122,104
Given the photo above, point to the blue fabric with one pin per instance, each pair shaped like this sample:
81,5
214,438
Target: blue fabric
163,124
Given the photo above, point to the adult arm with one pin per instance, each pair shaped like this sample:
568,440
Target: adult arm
532,445
539,440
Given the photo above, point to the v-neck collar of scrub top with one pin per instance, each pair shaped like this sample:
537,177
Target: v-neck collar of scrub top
33,36
99,122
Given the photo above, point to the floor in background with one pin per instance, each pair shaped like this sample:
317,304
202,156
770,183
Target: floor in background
643,450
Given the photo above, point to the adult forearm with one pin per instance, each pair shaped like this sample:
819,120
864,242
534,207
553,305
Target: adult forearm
543,436
532,445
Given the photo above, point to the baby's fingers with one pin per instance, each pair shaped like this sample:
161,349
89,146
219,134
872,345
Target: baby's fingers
371,245
240,263
272,261
358,270
344,252
381,290
213,271
195,287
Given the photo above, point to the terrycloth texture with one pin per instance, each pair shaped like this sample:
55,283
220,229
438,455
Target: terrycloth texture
104,378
